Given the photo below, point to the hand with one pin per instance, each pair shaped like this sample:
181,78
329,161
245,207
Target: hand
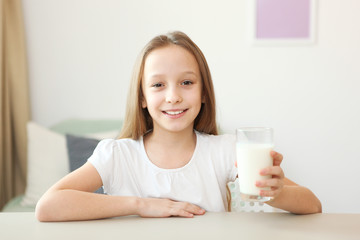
276,183
154,207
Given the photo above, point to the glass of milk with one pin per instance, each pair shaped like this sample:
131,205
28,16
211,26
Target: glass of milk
253,146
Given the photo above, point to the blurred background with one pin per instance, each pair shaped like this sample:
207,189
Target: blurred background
80,55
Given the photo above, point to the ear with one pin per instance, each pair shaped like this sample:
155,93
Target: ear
203,99
143,103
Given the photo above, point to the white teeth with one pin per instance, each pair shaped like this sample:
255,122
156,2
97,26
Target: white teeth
174,113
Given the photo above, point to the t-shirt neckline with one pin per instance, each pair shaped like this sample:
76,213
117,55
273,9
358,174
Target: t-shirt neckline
148,161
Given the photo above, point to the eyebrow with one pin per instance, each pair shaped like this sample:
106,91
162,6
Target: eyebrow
189,72
160,75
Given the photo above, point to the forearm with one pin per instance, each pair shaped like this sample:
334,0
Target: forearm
297,199
67,205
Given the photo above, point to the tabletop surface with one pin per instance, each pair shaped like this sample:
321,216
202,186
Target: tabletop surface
229,225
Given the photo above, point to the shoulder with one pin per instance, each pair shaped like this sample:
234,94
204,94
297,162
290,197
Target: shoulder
111,148
111,153
111,144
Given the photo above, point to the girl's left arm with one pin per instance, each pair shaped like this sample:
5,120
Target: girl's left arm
287,195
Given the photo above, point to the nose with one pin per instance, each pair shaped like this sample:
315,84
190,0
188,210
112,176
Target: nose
173,95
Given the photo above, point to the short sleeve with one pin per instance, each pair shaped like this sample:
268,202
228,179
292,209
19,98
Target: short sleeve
103,161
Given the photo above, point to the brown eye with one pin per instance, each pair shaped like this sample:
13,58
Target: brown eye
157,85
186,82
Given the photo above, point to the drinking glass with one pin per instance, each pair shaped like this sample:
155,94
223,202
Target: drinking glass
253,147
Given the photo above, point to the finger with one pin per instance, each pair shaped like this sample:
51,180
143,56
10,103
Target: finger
277,158
273,194
274,183
275,171
275,191
176,211
192,208
183,213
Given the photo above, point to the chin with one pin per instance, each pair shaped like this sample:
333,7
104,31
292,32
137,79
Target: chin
179,129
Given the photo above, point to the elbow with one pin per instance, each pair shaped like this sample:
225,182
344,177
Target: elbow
319,208
315,203
40,213
316,209
41,217
309,210
311,205
43,212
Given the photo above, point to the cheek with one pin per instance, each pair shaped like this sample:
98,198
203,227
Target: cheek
199,97
196,100
150,101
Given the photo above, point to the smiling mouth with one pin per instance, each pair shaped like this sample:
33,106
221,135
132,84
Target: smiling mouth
174,113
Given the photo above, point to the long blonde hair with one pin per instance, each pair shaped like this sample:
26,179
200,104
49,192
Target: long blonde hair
138,120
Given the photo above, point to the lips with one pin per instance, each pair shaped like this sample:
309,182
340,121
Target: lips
175,113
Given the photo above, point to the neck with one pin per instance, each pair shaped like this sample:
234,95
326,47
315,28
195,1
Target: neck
167,138
170,150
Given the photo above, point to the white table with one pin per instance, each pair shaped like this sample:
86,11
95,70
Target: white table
220,226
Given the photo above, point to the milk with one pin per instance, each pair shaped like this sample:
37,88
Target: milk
251,158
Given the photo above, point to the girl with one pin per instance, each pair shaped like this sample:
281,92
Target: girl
169,160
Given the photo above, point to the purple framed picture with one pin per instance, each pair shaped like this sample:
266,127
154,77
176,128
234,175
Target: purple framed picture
283,21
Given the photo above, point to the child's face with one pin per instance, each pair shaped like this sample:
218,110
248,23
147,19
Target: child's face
172,88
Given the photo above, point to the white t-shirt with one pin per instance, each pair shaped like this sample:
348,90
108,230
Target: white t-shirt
126,170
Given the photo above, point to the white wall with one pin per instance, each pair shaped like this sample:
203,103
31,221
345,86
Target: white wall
81,54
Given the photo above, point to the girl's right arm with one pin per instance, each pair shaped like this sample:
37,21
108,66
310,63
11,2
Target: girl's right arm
72,198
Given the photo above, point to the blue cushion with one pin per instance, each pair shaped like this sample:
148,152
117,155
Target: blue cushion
79,150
